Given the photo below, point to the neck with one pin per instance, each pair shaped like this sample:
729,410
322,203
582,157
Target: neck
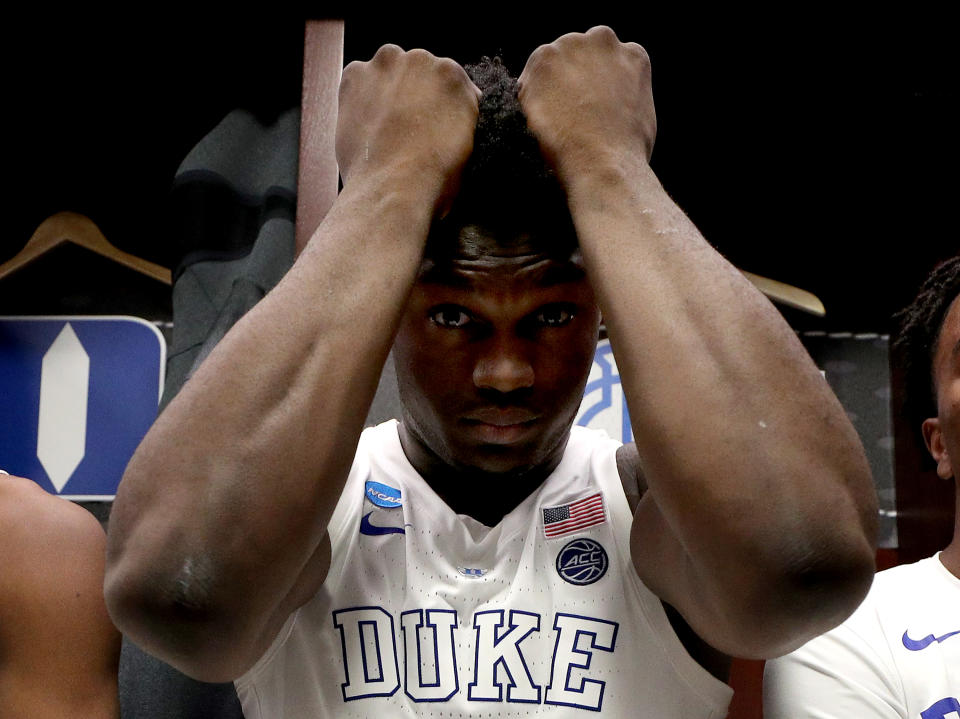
486,496
951,555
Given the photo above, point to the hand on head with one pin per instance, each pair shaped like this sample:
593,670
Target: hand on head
407,113
588,95
585,96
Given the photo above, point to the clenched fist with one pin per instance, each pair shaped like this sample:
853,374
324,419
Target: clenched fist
588,97
407,116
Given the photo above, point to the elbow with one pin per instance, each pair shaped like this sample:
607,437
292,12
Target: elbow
172,619
820,570
827,589
805,598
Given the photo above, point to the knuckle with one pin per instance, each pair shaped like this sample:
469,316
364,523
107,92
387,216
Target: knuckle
543,55
604,33
567,40
387,53
420,55
638,52
347,79
352,69
452,72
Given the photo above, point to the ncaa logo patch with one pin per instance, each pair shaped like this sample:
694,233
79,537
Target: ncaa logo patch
382,495
582,561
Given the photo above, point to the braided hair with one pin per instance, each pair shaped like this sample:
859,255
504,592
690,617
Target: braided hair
920,327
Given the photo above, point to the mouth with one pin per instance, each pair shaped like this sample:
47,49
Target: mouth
501,416
494,425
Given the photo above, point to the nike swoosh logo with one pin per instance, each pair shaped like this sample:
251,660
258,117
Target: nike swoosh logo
915,645
368,528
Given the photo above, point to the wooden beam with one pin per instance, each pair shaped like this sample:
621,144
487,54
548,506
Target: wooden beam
318,173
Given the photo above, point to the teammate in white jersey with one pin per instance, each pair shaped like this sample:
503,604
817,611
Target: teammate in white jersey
755,527
898,656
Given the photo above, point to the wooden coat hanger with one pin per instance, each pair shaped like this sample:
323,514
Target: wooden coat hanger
79,230
787,294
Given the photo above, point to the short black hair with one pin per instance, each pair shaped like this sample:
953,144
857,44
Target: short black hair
920,327
506,186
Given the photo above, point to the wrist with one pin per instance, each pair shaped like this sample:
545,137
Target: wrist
411,180
402,184
596,177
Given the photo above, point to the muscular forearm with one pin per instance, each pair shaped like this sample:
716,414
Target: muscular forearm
748,455
218,530
758,523
230,492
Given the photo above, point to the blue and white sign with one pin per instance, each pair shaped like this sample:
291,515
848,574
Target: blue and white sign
604,405
78,394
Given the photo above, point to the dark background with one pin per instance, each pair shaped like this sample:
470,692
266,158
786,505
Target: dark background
811,147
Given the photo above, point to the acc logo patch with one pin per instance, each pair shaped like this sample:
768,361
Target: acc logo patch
382,495
582,561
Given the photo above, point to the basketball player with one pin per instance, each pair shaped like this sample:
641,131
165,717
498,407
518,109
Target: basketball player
59,650
479,556
899,654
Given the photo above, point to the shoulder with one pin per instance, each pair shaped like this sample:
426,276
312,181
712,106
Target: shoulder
60,648
33,521
904,592
904,577
859,658
49,545
603,453
630,469
850,666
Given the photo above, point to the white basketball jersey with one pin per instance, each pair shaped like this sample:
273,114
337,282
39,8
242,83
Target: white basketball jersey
898,655
428,613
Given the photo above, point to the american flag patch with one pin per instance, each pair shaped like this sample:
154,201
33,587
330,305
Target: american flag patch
569,518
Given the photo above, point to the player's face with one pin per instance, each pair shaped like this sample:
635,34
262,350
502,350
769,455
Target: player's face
943,432
492,356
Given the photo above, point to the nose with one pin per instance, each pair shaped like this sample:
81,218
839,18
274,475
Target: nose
503,367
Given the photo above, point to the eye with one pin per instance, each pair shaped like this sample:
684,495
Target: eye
450,316
555,315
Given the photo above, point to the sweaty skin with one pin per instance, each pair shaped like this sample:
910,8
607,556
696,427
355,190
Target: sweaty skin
237,481
59,651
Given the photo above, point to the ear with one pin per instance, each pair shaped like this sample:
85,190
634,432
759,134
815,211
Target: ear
933,437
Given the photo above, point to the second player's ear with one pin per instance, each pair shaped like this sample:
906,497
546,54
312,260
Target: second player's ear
933,437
